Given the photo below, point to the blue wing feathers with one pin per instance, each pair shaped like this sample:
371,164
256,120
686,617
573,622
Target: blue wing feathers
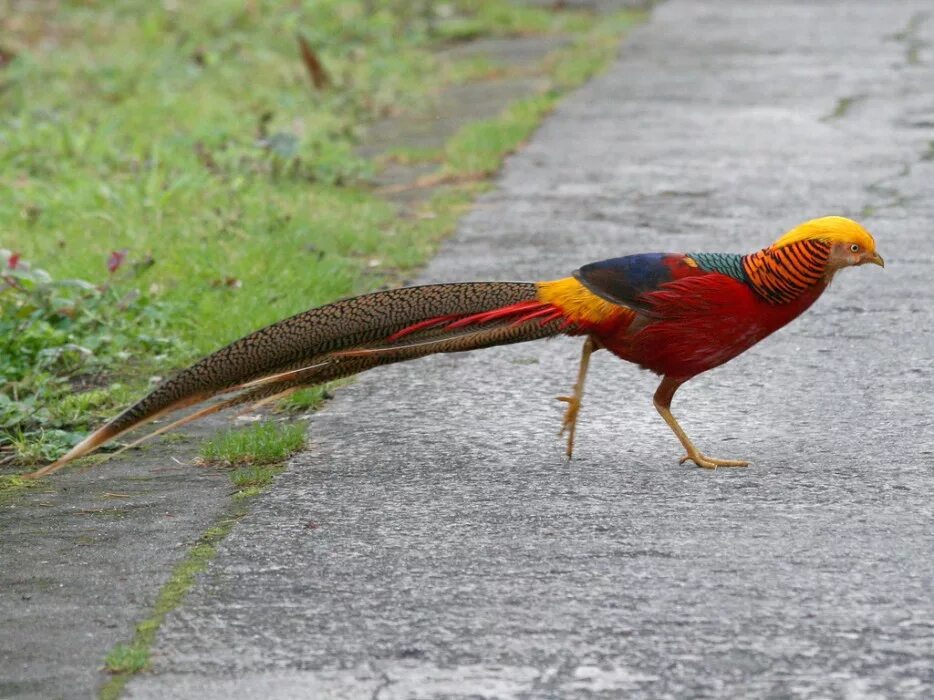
624,280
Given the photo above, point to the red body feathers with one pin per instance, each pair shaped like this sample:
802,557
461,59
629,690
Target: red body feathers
704,322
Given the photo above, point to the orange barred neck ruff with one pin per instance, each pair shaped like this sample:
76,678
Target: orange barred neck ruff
799,260
780,275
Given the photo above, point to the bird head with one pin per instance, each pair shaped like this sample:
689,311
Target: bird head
850,243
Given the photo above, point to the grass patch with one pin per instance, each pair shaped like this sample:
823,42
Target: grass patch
56,337
10,483
267,442
479,148
309,399
166,157
247,493
253,477
127,659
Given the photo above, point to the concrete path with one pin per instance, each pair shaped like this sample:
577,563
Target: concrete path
434,542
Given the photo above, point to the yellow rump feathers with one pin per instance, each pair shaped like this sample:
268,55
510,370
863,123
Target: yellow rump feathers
577,302
832,229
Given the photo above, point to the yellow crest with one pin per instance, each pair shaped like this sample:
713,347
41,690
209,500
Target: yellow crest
833,229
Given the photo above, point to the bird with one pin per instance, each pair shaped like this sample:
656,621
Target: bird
675,314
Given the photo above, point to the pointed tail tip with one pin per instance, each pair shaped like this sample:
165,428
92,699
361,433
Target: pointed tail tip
86,446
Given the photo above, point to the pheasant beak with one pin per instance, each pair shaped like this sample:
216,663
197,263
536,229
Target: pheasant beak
876,259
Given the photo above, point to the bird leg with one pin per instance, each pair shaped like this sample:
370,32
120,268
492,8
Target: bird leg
569,421
663,395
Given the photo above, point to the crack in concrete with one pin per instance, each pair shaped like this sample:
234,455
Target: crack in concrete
387,681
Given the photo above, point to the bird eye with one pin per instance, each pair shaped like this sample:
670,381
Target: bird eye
854,248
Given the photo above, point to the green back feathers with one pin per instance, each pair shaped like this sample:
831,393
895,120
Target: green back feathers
730,264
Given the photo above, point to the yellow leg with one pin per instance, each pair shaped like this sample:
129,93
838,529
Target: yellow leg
569,422
663,395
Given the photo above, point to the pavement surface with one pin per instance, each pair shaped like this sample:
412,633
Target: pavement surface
434,543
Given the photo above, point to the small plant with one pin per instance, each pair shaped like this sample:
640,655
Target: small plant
309,399
56,335
124,658
262,443
9,482
249,477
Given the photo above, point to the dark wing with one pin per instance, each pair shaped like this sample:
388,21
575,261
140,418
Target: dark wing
625,280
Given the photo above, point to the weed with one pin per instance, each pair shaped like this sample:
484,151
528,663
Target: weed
246,477
247,493
55,334
126,659
11,482
308,399
267,442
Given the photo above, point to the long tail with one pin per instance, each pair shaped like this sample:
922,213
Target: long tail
340,339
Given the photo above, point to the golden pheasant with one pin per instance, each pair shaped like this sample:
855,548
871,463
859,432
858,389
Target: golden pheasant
676,314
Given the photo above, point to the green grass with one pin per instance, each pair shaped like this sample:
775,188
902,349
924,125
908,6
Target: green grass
267,442
479,148
253,477
126,659
251,481
188,136
308,399
10,483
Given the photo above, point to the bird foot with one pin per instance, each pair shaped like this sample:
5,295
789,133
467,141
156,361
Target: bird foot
569,421
712,462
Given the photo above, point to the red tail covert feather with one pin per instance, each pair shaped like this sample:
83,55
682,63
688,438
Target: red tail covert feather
517,313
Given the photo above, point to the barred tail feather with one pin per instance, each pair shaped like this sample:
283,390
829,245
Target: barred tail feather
338,340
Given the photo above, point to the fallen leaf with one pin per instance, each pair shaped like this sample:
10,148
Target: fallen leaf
319,77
